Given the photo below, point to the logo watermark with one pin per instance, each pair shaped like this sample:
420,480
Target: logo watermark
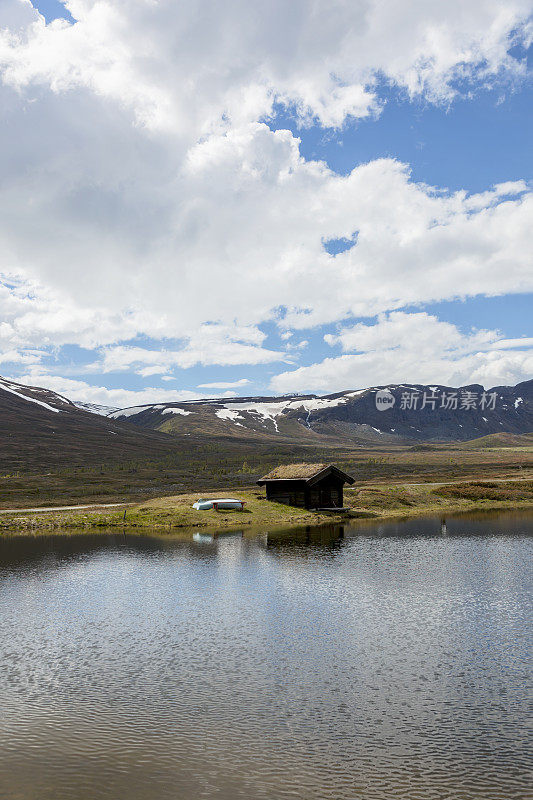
384,400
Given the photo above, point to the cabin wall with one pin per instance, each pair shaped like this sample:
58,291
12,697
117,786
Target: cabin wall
327,493
291,493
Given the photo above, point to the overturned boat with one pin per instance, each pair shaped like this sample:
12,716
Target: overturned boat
220,504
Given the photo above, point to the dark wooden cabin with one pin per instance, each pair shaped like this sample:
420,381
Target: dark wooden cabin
306,485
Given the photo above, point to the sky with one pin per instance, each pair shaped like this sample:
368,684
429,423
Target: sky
210,199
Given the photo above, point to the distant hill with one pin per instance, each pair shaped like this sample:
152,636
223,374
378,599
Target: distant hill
501,440
416,412
40,429
38,426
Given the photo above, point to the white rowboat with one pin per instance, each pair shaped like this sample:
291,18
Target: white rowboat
221,504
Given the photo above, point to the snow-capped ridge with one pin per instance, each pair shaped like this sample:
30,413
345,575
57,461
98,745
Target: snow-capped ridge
351,413
7,386
96,408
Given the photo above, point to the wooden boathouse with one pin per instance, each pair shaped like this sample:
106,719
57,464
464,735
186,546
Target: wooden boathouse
313,486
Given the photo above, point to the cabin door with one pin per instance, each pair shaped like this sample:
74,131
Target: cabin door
325,497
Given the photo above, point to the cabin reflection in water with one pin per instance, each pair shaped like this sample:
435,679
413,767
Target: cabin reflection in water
324,536
312,486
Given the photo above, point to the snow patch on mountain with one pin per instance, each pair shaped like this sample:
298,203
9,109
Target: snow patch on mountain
271,411
8,387
128,412
95,408
230,415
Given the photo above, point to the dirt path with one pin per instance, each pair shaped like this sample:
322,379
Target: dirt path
62,508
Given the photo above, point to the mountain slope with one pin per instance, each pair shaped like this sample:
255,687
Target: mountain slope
417,412
39,427
54,453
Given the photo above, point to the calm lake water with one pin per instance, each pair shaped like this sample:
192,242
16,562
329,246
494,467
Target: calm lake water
380,661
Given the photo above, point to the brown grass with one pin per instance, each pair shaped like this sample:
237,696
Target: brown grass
483,490
218,465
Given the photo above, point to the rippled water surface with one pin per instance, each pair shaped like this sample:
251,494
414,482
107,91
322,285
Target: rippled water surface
375,662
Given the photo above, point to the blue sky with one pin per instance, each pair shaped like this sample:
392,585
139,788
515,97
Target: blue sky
412,302
53,9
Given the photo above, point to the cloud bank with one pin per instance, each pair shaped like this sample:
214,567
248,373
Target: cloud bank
144,194
417,348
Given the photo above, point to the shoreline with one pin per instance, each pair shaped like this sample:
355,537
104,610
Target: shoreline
370,503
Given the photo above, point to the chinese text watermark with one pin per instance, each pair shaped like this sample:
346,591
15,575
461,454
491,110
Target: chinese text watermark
415,400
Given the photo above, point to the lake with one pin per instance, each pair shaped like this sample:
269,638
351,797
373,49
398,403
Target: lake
373,661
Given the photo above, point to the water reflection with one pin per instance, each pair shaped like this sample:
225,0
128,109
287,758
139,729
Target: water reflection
207,538
370,661
326,536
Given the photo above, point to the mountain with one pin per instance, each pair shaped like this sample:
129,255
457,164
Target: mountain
39,427
409,412
53,452
94,408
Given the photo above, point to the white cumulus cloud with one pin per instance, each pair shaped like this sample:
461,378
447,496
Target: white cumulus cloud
143,193
102,395
225,384
417,348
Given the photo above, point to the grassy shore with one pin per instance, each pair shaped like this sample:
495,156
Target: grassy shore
409,500
366,501
172,513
